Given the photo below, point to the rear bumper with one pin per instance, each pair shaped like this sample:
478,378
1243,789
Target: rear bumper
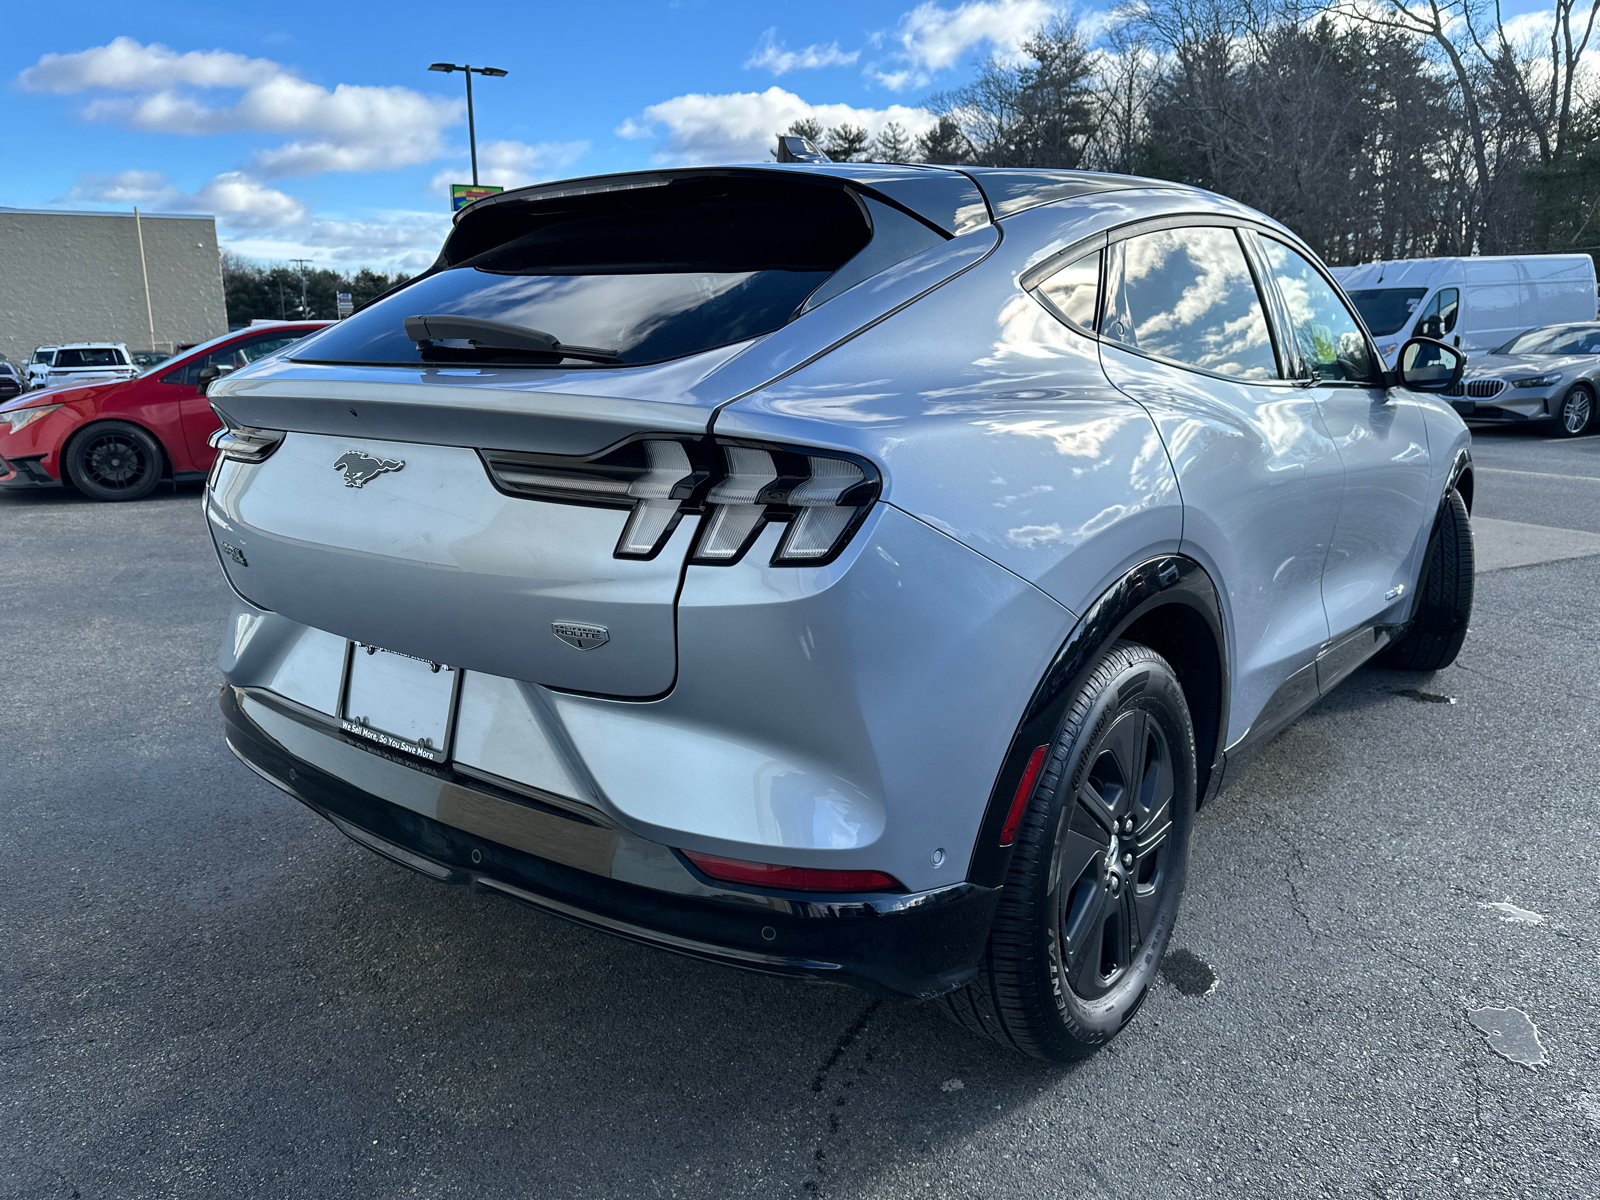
578,866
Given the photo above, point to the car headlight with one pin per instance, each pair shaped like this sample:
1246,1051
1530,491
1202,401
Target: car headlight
20,418
1537,381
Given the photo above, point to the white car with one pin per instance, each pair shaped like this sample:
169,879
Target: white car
80,362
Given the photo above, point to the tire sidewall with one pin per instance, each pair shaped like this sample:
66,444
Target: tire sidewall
1093,1022
77,447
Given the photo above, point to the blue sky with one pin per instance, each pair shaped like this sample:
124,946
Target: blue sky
316,130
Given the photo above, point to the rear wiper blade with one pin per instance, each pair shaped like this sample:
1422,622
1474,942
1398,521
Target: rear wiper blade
497,335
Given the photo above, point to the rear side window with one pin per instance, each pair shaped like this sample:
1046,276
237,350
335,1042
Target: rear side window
1073,293
629,276
1187,295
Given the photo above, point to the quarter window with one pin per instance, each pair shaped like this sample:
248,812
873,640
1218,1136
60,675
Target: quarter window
1332,346
1073,293
1187,295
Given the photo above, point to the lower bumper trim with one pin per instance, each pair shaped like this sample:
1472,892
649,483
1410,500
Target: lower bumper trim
914,947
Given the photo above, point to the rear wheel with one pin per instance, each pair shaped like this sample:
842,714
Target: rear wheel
114,461
1444,596
1092,891
1576,412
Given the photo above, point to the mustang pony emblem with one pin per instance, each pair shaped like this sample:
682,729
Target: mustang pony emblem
358,468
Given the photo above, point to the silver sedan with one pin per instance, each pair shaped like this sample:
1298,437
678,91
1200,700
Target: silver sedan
1547,375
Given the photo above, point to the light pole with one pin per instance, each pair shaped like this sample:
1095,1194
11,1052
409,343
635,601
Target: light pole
302,263
469,71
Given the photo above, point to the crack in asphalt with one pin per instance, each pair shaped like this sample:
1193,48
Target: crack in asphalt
819,1156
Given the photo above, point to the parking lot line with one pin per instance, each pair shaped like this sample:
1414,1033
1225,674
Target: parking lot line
1502,544
1537,474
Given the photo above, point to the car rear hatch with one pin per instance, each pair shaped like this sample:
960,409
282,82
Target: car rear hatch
504,465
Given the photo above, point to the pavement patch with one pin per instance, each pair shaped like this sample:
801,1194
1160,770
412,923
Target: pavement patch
1422,697
1511,1035
1498,545
1189,973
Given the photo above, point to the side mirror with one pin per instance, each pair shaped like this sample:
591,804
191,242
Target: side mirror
209,375
1426,365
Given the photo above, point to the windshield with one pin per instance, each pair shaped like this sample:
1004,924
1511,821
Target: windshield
105,357
1386,310
639,275
1563,339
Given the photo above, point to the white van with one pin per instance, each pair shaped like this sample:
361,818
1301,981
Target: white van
1474,303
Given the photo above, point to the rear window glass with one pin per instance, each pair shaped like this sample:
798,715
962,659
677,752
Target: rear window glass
629,276
89,358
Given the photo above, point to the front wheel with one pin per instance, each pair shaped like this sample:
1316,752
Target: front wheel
1576,411
114,461
1444,596
1092,891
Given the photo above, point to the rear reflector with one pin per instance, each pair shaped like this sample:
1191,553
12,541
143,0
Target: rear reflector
1019,802
792,879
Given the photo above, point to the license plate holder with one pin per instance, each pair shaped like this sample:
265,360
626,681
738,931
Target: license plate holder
399,701
1464,407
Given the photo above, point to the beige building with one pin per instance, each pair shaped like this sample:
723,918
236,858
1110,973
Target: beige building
148,281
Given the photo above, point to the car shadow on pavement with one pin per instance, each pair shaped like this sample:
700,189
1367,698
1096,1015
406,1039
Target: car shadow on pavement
167,491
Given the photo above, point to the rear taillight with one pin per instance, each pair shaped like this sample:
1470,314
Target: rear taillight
791,879
242,443
737,487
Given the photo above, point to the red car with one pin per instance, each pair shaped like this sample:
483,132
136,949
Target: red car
116,440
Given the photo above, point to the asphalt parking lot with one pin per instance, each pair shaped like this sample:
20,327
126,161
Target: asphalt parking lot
207,991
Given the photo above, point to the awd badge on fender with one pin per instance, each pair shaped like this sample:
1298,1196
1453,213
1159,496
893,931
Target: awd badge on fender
576,633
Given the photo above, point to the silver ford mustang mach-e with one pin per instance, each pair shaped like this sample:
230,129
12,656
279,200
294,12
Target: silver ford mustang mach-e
855,572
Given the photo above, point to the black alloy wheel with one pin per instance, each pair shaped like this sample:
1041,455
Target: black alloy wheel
1576,412
1092,891
1112,856
114,461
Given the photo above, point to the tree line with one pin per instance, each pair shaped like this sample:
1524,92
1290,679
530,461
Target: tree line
285,292
1373,128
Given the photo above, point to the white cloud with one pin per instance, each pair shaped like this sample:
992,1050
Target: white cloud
348,128
932,39
262,222
743,126
245,203
125,187
234,198
770,54
512,164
